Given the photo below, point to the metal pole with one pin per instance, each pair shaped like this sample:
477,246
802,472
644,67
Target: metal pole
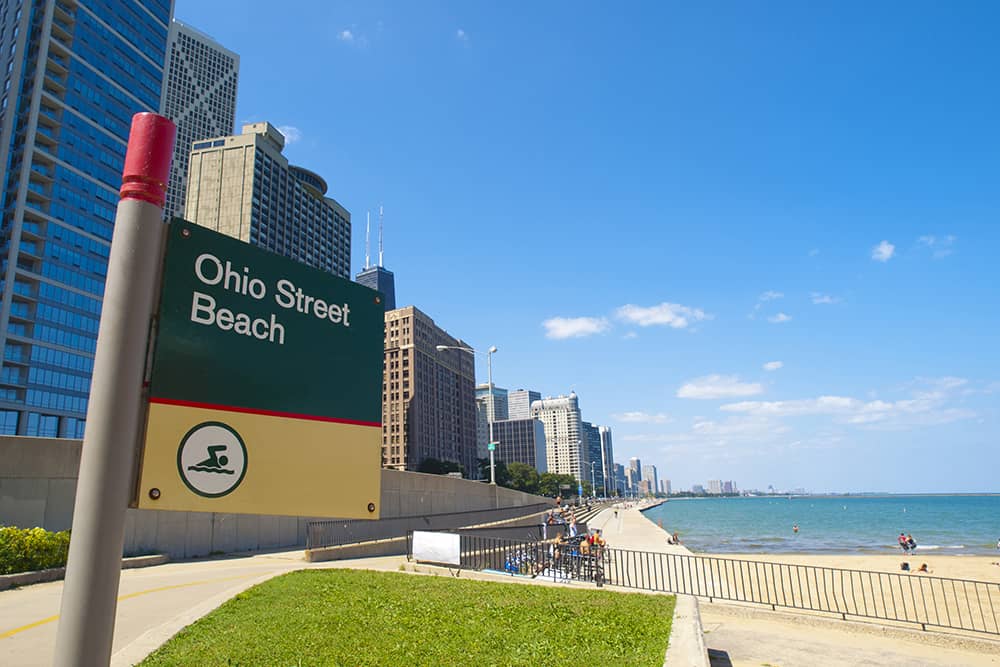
114,417
593,484
489,411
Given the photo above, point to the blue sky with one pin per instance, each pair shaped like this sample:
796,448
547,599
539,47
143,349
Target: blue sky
647,204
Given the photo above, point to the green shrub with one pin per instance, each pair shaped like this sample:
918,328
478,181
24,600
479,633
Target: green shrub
28,549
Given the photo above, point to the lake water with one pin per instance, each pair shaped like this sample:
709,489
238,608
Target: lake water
953,525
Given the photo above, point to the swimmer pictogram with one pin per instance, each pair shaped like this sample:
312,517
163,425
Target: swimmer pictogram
214,463
212,459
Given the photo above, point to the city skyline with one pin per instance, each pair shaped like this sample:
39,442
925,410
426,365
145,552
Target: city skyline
780,281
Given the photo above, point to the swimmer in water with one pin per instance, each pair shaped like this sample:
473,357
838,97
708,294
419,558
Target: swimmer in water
795,528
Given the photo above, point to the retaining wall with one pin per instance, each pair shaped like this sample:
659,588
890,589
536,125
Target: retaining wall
38,487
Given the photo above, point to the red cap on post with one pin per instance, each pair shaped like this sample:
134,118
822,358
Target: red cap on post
147,159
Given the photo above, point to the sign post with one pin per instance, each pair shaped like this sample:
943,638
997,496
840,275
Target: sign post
114,415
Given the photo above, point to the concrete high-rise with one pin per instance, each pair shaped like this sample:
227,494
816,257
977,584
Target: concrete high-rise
76,72
199,95
243,186
565,450
649,473
519,403
634,474
490,407
428,396
521,440
607,460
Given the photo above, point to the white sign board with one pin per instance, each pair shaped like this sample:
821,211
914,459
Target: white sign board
437,547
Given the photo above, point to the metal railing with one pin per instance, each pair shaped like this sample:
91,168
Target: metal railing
915,598
350,531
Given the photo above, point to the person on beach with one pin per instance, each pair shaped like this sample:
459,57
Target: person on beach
923,568
910,543
903,544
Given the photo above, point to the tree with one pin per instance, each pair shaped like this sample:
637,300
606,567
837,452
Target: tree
523,477
438,467
499,471
549,484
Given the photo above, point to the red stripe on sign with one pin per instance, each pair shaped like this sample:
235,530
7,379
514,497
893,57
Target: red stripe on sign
256,411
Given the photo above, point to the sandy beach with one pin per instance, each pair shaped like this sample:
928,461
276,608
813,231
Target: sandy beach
978,568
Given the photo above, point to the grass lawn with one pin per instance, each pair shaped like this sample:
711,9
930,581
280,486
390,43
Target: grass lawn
357,617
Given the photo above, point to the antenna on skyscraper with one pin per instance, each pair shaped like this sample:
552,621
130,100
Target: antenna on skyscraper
380,234
368,230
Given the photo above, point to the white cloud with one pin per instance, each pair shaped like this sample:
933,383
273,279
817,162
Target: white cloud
292,133
779,318
769,295
718,386
941,246
461,35
773,365
559,328
820,298
883,252
639,417
924,409
672,315
345,36
630,335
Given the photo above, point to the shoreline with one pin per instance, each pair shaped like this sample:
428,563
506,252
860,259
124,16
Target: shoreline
973,567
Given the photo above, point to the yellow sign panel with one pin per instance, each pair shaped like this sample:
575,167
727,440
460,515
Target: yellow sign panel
209,460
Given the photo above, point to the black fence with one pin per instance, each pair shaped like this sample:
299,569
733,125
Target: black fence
914,598
350,531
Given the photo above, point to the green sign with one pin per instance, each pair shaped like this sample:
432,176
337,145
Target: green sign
491,446
266,387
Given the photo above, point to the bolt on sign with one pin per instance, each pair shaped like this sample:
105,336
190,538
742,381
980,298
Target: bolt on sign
265,394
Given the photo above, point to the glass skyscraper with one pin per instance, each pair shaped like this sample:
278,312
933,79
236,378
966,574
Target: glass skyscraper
76,72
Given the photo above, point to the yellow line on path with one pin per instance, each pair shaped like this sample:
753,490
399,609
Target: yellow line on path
29,626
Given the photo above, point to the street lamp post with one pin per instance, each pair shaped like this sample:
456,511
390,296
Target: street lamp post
490,407
593,484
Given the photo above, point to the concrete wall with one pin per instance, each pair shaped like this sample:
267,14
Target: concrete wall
38,487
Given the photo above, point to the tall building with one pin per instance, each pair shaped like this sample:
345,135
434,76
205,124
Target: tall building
490,407
199,95
377,277
76,73
620,484
607,460
644,488
649,473
729,487
634,475
714,487
521,440
593,473
428,396
519,403
565,450
243,186
665,483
